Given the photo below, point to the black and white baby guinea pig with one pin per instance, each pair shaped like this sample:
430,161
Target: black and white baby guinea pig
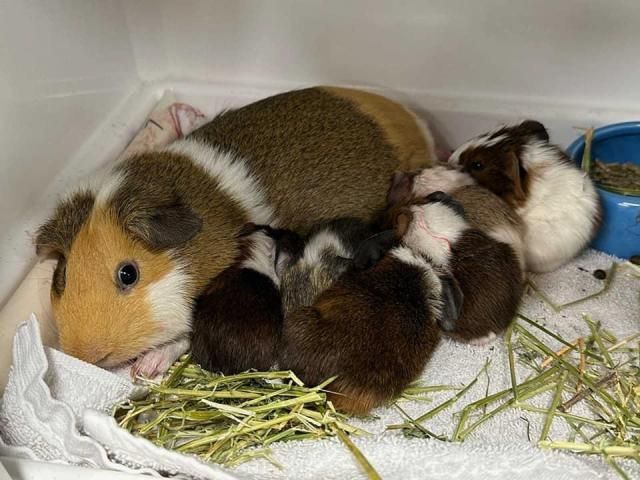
556,200
374,329
483,209
237,319
487,271
328,252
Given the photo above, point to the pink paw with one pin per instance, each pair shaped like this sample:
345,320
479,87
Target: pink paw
156,362
151,365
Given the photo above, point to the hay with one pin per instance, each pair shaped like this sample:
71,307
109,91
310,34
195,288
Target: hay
230,419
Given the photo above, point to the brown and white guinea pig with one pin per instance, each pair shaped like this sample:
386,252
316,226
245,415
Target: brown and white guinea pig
237,319
487,271
328,252
556,200
137,250
374,329
483,209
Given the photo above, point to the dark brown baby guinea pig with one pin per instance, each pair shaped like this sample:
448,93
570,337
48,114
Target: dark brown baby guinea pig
237,320
373,329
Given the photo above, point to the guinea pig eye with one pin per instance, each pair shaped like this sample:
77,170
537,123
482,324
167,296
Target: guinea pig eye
127,275
476,166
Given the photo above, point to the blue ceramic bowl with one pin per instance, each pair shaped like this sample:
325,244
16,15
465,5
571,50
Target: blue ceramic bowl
620,231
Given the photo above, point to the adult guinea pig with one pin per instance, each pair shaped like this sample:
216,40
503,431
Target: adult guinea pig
374,329
136,251
237,320
556,200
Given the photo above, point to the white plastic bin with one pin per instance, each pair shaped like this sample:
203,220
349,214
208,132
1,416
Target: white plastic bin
78,76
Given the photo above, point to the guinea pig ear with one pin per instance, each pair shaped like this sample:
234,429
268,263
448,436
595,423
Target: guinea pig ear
401,221
165,227
534,129
401,187
513,171
56,235
453,300
289,248
372,249
247,229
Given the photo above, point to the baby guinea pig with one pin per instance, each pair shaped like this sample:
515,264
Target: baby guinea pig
487,271
483,209
328,251
556,200
374,329
237,320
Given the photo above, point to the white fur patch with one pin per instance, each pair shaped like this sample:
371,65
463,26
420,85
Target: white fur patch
439,178
321,242
262,259
170,304
233,177
109,187
406,255
490,337
434,229
483,140
560,210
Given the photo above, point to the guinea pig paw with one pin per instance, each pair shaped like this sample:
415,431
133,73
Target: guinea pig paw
152,364
479,342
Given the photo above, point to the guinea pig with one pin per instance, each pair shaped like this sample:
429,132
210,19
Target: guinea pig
487,271
557,201
135,251
328,252
237,319
374,329
483,209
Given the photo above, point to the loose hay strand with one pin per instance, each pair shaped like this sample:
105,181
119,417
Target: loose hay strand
361,459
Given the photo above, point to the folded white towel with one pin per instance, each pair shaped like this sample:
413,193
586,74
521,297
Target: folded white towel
56,408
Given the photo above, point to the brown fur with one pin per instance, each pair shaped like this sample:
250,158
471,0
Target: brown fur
57,235
401,129
310,150
157,180
489,277
374,329
237,320
486,211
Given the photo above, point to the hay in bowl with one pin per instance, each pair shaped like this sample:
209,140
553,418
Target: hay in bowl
611,156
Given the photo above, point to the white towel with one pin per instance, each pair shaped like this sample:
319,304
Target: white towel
498,449
56,408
